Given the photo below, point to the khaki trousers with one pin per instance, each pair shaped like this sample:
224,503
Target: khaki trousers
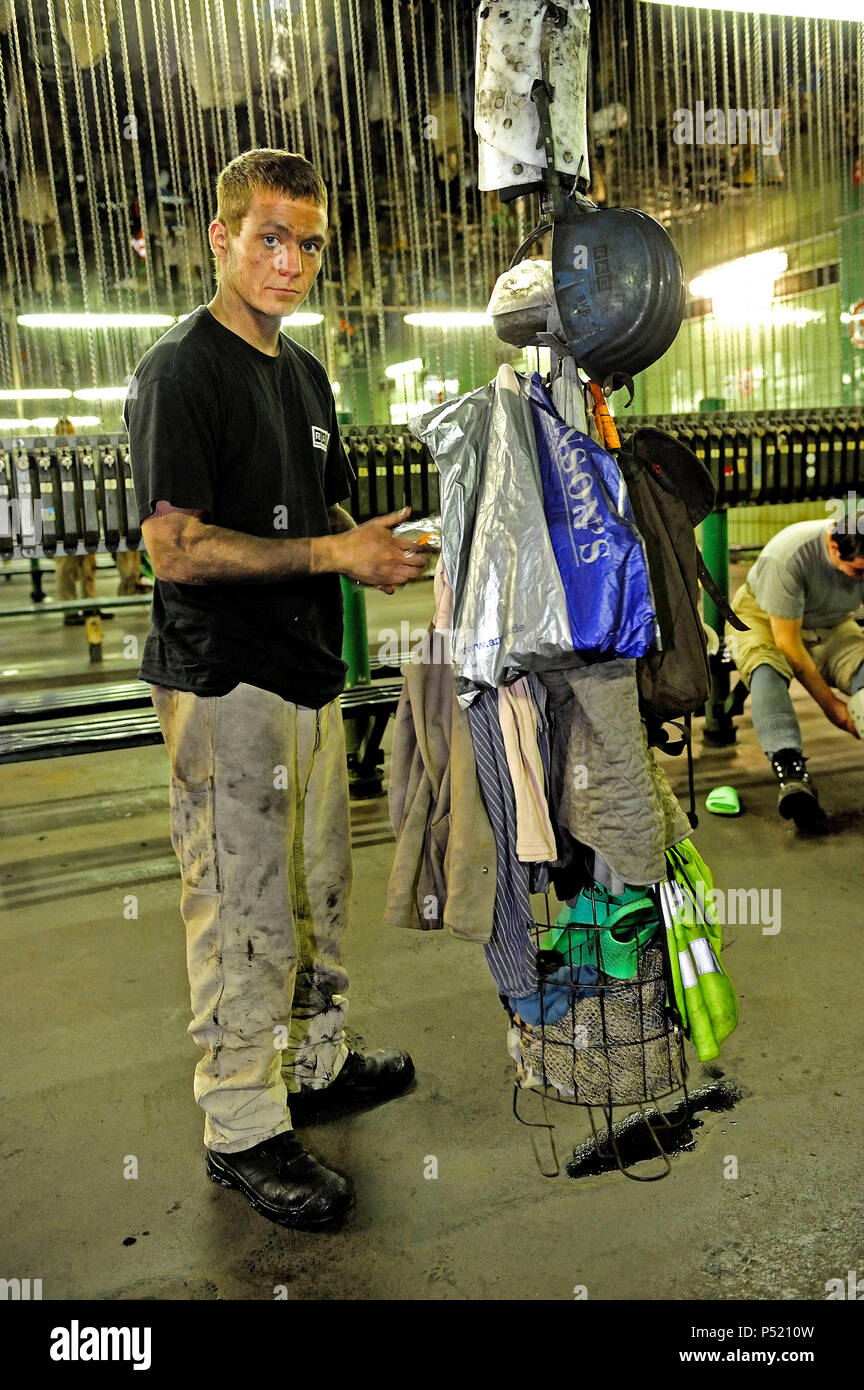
837,651
260,823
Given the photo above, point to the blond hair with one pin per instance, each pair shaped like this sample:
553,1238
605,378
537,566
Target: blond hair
264,171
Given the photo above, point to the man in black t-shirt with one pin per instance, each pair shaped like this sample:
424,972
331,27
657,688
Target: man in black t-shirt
239,471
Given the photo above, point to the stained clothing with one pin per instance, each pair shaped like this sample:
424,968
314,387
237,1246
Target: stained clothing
261,827
244,679
444,865
793,577
252,442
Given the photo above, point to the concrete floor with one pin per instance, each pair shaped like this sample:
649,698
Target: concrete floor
99,1070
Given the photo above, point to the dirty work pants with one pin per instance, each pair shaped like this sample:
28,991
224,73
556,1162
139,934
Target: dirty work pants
260,824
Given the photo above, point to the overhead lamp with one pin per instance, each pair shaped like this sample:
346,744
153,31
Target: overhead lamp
95,320
456,318
302,319
793,9
101,393
397,370
742,289
37,393
47,423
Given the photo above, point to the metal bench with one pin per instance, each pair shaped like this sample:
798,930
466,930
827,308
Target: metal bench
96,719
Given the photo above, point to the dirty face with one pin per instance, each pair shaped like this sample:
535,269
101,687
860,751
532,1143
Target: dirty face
273,261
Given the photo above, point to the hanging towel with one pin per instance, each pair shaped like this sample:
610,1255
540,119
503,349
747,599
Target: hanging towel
517,710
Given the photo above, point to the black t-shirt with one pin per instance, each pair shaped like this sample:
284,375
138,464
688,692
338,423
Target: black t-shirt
252,442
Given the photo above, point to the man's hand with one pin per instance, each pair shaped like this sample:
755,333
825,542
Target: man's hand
371,554
838,713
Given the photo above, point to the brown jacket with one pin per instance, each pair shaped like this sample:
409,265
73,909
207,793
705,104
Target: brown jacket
445,862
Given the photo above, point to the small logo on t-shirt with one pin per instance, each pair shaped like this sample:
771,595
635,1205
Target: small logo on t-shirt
320,438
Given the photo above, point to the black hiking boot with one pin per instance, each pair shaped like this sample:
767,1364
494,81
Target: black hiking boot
796,799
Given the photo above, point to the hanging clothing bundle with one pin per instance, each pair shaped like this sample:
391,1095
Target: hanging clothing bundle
520,759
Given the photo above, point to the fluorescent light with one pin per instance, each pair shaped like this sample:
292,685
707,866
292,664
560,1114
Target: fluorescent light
336,388
742,290
757,271
400,369
37,393
101,393
457,318
47,423
95,320
302,319
797,9
780,313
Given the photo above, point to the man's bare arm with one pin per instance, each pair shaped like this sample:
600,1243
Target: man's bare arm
184,549
787,634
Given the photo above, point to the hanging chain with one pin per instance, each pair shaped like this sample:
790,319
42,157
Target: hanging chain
337,221
355,21
264,75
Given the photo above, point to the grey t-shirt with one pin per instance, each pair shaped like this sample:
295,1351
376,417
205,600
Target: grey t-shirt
794,578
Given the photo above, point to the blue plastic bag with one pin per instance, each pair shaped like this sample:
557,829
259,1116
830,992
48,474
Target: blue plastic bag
598,550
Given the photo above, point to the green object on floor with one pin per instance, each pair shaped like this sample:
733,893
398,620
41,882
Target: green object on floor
723,801
627,923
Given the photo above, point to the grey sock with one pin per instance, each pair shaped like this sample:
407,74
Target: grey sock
773,714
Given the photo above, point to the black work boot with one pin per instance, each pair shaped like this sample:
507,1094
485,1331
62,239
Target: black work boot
284,1182
366,1079
796,799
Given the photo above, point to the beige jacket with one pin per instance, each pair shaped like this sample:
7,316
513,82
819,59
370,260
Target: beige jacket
445,862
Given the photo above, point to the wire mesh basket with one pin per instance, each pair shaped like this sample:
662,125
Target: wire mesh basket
615,1046
601,1031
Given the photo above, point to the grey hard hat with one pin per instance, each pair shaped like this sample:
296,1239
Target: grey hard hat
619,287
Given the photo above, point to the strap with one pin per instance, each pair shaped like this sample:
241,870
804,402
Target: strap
542,93
543,228
636,908
605,424
691,814
721,602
